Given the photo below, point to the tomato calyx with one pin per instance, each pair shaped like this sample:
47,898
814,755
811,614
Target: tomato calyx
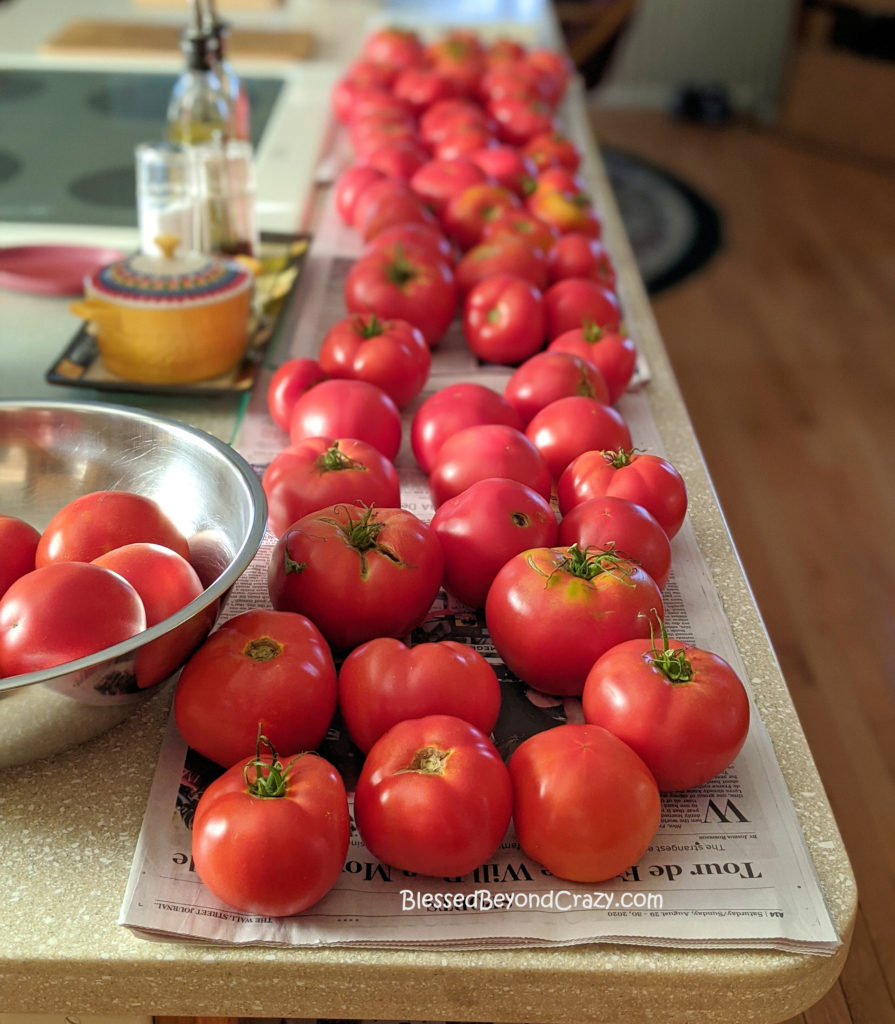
401,271
334,460
263,648
427,761
592,332
269,779
369,327
673,664
589,563
619,457
363,535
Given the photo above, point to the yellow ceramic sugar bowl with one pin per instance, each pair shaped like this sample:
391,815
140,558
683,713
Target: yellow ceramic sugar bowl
169,318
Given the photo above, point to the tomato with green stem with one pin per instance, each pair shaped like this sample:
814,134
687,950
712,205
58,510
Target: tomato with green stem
683,709
552,612
270,836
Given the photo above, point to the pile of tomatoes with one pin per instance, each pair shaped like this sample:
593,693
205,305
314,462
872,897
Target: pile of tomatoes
548,522
117,565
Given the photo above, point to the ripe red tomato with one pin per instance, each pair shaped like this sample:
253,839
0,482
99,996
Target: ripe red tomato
464,138
487,450
384,682
506,254
620,525
612,352
569,426
403,287
567,209
18,546
520,118
289,816
319,471
503,319
524,225
552,612
585,805
578,255
419,87
438,181
166,582
94,523
507,165
578,302
548,376
392,354
64,611
357,573
647,480
428,240
348,408
396,158
444,116
682,709
350,185
394,47
483,527
389,210
553,149
289,382
433,797
466,215
451,409
261,669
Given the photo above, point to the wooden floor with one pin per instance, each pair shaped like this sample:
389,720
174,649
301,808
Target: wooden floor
784,349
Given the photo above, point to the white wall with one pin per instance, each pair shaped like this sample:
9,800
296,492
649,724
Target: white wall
739,43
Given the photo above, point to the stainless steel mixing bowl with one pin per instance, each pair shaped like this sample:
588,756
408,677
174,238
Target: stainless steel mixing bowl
52,452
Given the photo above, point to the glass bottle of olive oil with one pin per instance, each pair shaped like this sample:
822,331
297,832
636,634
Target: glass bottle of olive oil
198,110
232,85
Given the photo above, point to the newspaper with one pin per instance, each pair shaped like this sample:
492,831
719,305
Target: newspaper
728,866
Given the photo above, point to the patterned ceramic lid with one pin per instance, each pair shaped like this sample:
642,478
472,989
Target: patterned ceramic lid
169,279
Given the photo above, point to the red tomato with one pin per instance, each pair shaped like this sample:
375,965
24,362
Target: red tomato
552,612
451,409
288,383
392,354
261,669
419,87
393,46
407,287
389,210
483,527
270,837
433,797
503,319
18,546
384,682
585,805
357,573
501,255
487,450
647,480
610,523
445,115
438,181
426,239
95,523
511,80
319,471
548,376
578,302
524,225
350,185
569,426
348,408
396,158
374,193
567,209
682,709
463,139
466,215
612,352
64,611
553,149
553,70
578,255
520,119
507,166
166,582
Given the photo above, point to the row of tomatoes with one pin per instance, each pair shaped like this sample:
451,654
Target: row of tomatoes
467,198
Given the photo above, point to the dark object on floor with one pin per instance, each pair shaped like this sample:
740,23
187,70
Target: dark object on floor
592,29
673,230
705,104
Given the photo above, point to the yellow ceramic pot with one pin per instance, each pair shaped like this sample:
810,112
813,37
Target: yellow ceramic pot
169,319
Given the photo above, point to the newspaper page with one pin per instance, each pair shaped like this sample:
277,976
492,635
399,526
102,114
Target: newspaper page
728,866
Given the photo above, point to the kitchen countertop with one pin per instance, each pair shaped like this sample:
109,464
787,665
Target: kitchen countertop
69,825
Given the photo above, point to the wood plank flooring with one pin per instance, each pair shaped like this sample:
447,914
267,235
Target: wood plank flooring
783,349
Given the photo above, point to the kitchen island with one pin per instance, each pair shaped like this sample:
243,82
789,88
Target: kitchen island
68,826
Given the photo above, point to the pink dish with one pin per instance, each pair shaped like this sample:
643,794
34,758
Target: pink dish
52,269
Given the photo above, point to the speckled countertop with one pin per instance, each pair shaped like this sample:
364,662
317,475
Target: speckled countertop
69,826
